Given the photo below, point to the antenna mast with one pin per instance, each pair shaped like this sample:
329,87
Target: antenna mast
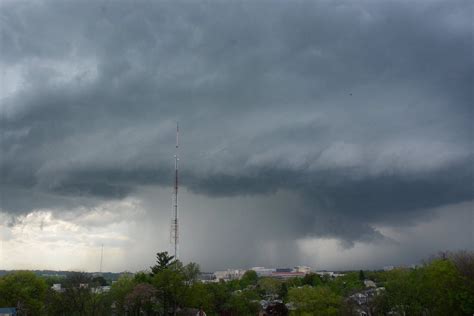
174,222
101,256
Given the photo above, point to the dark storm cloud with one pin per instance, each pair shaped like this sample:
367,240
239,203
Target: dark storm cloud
383,197
362,109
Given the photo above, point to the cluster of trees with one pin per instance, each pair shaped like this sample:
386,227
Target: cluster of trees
442,286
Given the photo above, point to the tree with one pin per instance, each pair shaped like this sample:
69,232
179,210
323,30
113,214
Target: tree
250,277
244,303
142,277
163,261
402,291
220,293
99,281
312,279
283,291
119,291
200,295
315,301
361,276
171,286
464,263
191,272
294,282
434,289
141,299
346,284
77,295
25,291
277,309
269,286
99,305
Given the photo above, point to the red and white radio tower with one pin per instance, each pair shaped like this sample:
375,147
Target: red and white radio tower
174,221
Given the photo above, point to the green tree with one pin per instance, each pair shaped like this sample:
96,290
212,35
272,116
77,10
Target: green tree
200,295
269,286
99,281
244,302
141,300
250,277
163,261
315,301
171,287
283,291
294,282
434,289
220,293
25,291
77,293
119,291
312,279
402,292
142,277
99,305
53,303
464,263
191,272
379,277
346,284
50,280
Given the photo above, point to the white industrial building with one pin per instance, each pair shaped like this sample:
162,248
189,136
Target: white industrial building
229,274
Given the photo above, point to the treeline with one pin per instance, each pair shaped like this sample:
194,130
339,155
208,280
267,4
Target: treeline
444,285
62,274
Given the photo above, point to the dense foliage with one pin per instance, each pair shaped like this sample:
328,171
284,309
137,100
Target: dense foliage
442,286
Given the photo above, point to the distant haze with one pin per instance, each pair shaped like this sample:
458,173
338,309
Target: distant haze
334,134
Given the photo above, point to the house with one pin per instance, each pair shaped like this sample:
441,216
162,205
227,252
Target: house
101,289
7,311
369,283
57,287
360,298
364,299
272,307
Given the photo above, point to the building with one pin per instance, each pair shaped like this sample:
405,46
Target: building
229,274
287,275
8,311
262,271
57,287
369,283
207,277
101,289
388,268
363,300
282,273
303,269
330,274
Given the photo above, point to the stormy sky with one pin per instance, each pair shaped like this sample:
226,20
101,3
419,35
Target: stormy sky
334,134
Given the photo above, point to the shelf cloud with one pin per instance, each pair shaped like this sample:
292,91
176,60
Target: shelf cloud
333,118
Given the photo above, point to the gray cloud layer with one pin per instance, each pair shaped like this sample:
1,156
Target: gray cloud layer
363,110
